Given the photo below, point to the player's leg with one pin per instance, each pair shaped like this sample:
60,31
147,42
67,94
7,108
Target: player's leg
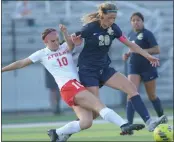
54,94
136,80
119,81
55,99
95,91
73,93
87,100
90,81
149,79
63,133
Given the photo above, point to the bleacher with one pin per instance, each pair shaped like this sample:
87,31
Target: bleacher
28,39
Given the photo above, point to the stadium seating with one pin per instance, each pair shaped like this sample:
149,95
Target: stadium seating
28,39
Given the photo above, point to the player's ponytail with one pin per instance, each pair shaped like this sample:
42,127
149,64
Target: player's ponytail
103,8
90,18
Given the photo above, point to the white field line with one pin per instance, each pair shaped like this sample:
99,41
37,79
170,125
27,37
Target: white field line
45,124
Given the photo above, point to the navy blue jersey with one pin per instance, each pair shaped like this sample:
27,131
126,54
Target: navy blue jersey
97,42
145,39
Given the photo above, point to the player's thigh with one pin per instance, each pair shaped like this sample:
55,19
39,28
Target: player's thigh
135,79
89,101
121,82
149,79
150,87
94,90
90,81
73,93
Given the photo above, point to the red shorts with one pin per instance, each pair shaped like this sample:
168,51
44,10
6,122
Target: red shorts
69,90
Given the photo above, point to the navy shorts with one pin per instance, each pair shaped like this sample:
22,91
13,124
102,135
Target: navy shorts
95,77
145,74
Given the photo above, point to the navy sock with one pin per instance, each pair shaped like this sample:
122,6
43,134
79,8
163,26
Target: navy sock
130,112
158,107
140,107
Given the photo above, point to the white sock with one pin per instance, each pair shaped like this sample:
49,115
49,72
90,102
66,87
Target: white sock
111,116
70,128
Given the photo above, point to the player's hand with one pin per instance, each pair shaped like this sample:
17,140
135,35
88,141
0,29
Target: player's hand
153,61
126,56
62,28
77,40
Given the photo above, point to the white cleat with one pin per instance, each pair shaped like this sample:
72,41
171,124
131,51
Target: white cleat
152,124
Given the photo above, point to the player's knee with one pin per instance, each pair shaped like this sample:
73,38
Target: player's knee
132,91
152,97
86,123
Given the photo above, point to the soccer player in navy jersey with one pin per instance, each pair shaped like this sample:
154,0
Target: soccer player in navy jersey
139,68
98,32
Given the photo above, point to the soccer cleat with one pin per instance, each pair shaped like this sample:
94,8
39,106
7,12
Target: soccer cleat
53,135
127,129
165,120
131,132
152,124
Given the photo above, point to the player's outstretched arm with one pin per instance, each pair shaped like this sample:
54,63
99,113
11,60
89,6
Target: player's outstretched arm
135,48
153,50
66,36
17,65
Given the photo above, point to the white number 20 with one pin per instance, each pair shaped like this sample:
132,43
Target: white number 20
104,40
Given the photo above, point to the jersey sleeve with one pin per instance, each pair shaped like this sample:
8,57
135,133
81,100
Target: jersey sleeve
151,39
36,56
118,33
84,32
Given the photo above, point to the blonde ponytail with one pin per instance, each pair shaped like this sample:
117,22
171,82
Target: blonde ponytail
90,18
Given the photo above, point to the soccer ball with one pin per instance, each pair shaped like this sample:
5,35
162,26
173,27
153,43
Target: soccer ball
163,133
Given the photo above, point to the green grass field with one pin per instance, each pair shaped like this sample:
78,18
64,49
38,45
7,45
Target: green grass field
98,132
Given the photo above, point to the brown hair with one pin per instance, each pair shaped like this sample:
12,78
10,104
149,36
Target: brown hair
103,8
137,14
46,32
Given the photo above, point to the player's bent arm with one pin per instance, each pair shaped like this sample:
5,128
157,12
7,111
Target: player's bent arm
66,36
153,50
68,40
17,65
135,48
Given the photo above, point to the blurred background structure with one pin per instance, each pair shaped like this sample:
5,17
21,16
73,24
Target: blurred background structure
24,90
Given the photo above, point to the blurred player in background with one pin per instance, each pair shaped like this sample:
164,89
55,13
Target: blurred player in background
54,94
98,32
139,68
23,9
57,59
